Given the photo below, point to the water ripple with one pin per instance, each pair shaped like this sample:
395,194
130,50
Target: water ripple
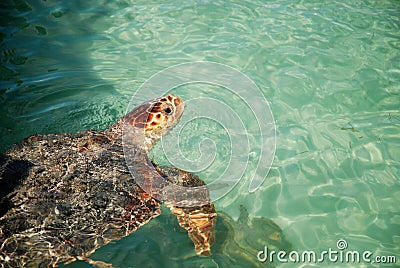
329,69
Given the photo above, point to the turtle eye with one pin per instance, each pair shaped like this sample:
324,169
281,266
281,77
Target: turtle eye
168,110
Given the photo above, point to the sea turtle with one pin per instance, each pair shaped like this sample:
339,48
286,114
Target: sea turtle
65,195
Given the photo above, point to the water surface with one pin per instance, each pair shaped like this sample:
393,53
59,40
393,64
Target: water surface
330,71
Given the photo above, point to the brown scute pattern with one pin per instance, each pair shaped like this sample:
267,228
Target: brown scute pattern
157,108
153,115
139,116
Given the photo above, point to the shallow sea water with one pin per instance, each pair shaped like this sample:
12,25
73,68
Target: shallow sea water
331,74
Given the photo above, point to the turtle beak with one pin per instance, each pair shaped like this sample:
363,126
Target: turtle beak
179,107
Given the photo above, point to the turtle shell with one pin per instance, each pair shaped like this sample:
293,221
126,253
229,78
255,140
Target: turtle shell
68,201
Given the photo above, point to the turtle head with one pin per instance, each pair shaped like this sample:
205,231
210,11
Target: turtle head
156,117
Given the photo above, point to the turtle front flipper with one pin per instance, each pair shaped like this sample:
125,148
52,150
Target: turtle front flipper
198,221
97,264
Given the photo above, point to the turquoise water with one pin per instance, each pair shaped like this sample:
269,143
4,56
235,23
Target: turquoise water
331,74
